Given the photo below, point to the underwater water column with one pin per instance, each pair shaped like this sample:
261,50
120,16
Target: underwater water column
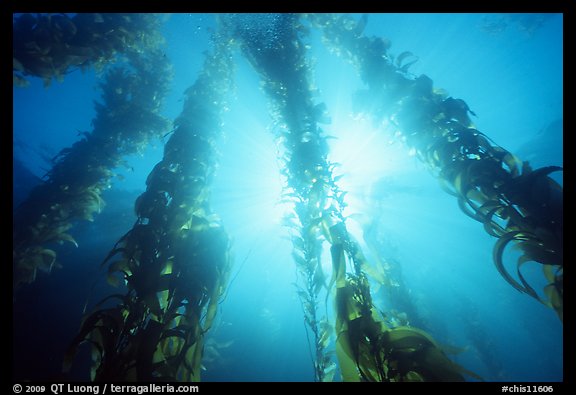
175,261
127,118
50,46
367,349
284,75
516,204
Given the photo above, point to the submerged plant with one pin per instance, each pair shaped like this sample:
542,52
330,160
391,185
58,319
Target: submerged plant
516,204
175,261
367,350
171,268
50,46
127,118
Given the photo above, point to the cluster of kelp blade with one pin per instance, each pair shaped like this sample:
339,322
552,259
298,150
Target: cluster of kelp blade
127,119
514,203
50,46
175,261
367,349
172,267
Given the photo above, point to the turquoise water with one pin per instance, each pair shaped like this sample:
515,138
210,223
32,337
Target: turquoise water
509,71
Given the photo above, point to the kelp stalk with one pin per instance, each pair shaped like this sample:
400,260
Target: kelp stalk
284,72
515,203
175,261
126,120
366,348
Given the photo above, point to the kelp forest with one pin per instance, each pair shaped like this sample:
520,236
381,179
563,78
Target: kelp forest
155,309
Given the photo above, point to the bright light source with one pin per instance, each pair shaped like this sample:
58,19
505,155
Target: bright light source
366,154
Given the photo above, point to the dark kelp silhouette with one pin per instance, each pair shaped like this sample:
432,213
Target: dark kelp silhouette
50,46
516,204
127,118
175,261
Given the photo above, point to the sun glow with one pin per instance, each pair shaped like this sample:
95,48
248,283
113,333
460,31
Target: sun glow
365,154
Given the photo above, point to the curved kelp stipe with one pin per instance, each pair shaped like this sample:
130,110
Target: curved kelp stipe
175,261
492,185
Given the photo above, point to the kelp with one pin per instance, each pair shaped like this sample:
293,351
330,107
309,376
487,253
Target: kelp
386,274
175,261
369,350
127,118
50,46
516,204
366,349
172,267
284,71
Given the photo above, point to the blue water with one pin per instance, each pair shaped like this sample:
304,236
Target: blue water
511,78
